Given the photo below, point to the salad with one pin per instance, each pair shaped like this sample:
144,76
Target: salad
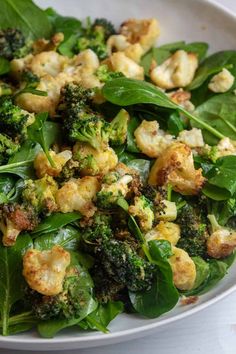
117,170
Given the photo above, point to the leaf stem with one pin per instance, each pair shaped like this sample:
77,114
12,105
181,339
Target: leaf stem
16,164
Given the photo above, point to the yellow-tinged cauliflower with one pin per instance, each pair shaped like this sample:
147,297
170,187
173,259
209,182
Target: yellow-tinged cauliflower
43,167
17,66
49,62
44,271
150,139
144,32
221,243
176,166
142,209
193,138
225,147
119,43
166,211
78,195
168,231
182,98
128,67
176,71
221,82
95,162
183,268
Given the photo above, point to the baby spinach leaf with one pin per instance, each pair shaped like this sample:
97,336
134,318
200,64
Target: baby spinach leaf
11,279
211,65
67,237
26,16
141,166
175,124
54,222
220,112
163,295
132,126
7,182
202,269
4,66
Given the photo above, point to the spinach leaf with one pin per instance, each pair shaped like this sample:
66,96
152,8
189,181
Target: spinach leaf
220,112
7,182
163,295
202,269
26,16
21,164
48,329
132,126
4,66
11,279
211,65
126,92
141,166
55,221
175,124
67,237
36,132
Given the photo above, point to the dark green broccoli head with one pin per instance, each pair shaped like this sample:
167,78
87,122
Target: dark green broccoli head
13,44
106,26
99,230
104,74
70,170
125,266
7,148
119,127
193,230
73,94
30,79
13,120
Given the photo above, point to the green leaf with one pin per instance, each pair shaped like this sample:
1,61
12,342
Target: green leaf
202,269
26,16
175,124
55,221
141,166
163,295
132,126
4,66
11,279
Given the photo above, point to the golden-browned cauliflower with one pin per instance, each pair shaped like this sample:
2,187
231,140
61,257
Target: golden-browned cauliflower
121,63
183,268
119,43
168,231
150,139
166,210
144,32
175,166
43,167
49,62
182,98
193,138
44,271
95,162
221,243
221,82
142,209
176,71
78,195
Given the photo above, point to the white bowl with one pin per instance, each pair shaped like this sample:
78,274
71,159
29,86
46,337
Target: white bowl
190,20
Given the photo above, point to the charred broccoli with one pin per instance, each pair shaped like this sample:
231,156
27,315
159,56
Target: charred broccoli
193,227
104,74
8,147
118,128
13,44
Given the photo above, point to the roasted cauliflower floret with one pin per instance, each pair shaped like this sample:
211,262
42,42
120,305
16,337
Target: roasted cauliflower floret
145,32
225,147
17,66
87,61
44,271
165,231
128,67
166,210
143,210
175,166
78,195
43,167
221,82
95,162
37,104
182,98
183,268
193,138
150,139
47,63
119,43
176,71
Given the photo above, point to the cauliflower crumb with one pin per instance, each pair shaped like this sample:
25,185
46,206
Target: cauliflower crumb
183,268
78,195
176,71
193,138
168,231
221,243
221,82
44,271
43,167
150,139
176,166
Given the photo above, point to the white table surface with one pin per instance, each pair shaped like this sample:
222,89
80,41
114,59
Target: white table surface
211,331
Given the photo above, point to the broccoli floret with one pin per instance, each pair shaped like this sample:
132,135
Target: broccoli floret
94,37
13,44
143,210
104,74
14,120
193,228
7,148
41,194
70,170
30,79
5,89
99,230
119,127
14,219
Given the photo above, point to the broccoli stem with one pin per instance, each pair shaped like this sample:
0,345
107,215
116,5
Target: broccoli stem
214,224
169,192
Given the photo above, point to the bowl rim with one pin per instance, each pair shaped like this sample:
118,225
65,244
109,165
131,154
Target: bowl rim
103,339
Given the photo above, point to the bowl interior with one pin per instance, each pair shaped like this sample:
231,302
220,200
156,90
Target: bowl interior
190,20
